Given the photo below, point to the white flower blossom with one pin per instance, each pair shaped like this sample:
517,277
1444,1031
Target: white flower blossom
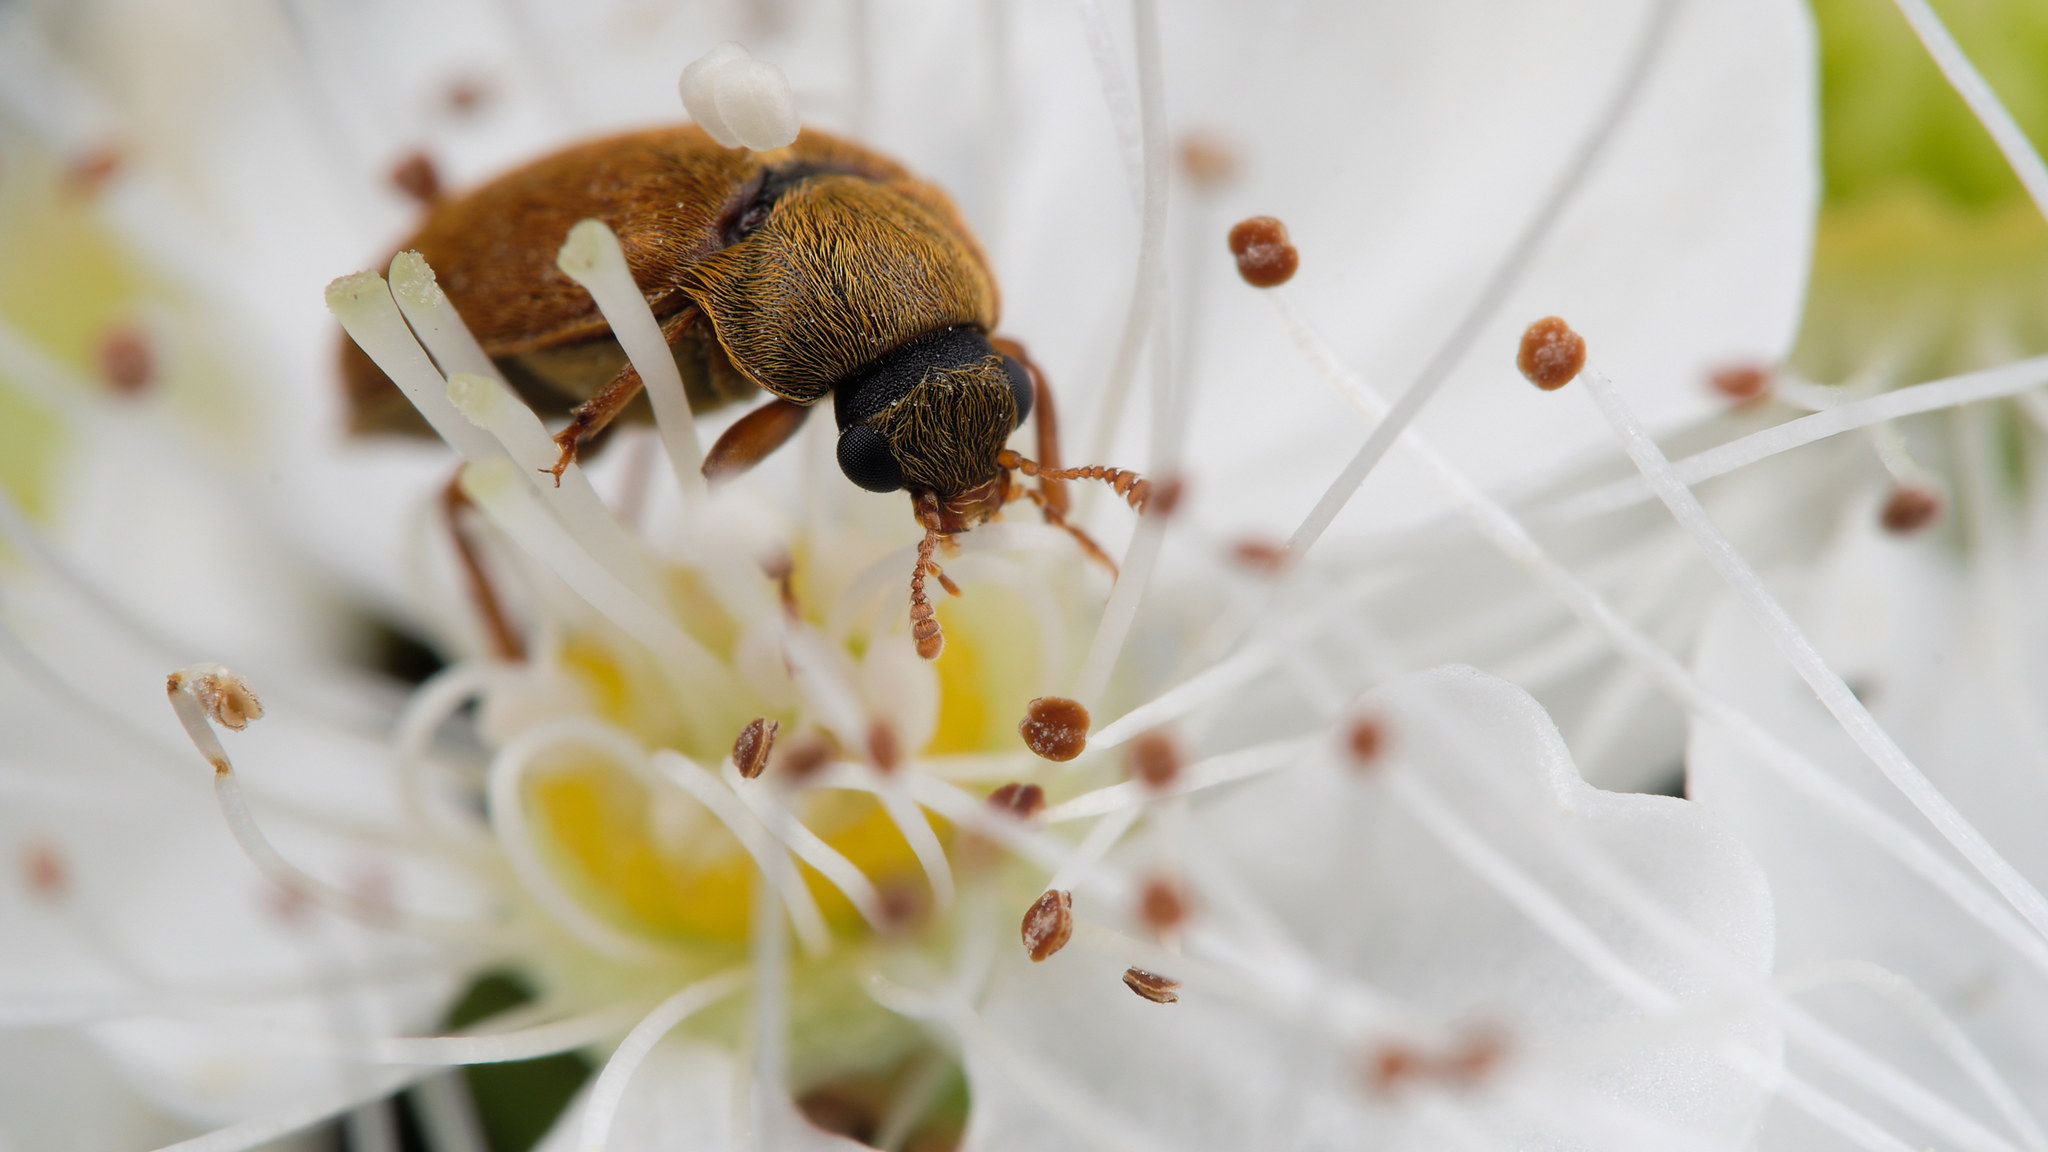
1359,887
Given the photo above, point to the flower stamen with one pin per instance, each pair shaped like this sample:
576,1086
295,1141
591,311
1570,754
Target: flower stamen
1048,924
206,694
611,1083
750,750
1792,643
1152,986
1055,728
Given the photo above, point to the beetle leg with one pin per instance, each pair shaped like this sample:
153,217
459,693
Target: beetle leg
591,416
505,643
1058,519
1048,424
753,437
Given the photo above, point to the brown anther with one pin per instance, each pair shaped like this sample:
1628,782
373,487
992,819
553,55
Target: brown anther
1908,510
287,906
1155,759
885,752
1480,1052
416,176
803,756
1020,800
466,94
89,172
1261,555
904,903
125,359
1055,728
43,871
1264,257
1395,1065
1162,904
844,1110
1152,986
1162,500
1365,739
1551,354
226,697
750,751
782,569
1048,924
1741,383
371,885
1207,158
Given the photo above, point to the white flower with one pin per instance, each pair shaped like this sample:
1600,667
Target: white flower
1405,919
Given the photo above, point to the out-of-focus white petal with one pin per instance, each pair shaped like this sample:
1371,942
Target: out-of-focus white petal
1405,146
1366,893
1949,663
682,1100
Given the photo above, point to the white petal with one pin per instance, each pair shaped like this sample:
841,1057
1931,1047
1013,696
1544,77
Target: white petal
682,1100
1350,877
1950,667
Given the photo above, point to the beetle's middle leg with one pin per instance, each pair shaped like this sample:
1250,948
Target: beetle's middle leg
591,416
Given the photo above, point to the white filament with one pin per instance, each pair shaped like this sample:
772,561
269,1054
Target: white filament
2015,379
234,808
1499,528
1506,275
504,495
591,256
1984,103
784,826
1798,651
1205,687
506,804
1578,938
1945,1033
1227,768
627,1057
488,403
1093,847
769,855
363,304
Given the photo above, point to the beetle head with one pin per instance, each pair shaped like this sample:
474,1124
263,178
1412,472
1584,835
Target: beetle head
930,417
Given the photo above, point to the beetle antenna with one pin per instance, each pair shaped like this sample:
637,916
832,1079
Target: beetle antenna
924,622
1134,488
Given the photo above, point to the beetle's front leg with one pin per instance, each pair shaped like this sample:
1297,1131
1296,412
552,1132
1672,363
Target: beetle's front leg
592,416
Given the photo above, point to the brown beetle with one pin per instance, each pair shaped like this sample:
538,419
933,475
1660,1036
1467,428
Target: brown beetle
820,268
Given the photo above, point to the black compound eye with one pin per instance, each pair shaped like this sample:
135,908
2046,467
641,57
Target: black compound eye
1020,388
868,461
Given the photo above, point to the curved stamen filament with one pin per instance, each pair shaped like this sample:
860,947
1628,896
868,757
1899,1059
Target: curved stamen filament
185,689
506,806
769,855
1869,737
784,826
610,1088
